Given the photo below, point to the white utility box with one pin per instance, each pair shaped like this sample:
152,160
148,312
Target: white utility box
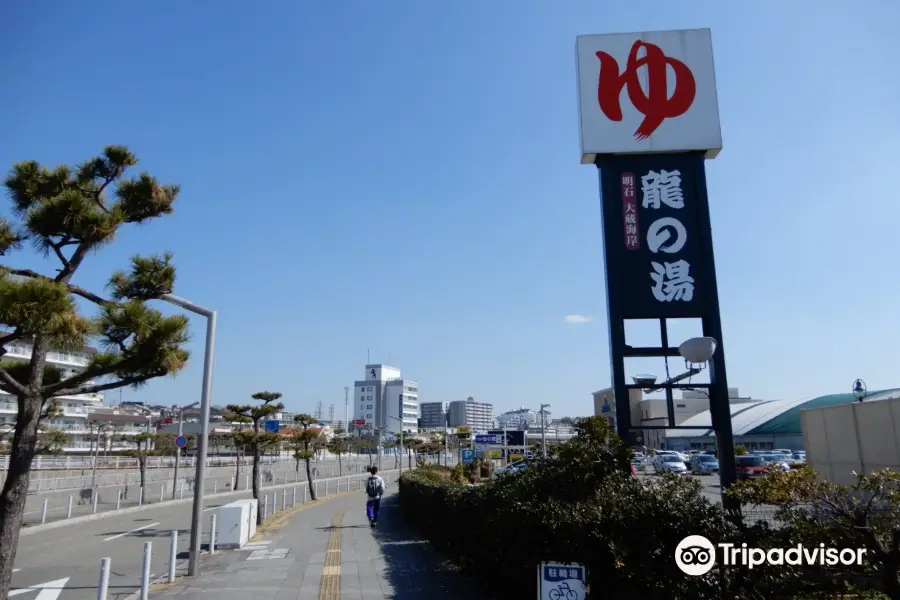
236,523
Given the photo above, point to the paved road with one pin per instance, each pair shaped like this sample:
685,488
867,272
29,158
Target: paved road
330,552
220,480
74,553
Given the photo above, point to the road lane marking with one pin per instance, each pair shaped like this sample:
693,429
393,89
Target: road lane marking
46,591
330,585
114,537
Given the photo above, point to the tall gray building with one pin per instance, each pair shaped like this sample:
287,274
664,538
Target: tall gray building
477,415
434,415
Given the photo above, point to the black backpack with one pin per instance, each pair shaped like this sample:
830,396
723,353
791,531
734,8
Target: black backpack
372,486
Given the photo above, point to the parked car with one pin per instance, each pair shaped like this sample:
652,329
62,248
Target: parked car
750,466
704,464
669,463
798,458
777,461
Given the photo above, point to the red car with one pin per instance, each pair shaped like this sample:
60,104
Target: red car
750,467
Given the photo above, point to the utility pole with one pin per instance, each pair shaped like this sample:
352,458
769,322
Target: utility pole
543,430
177,449
347,407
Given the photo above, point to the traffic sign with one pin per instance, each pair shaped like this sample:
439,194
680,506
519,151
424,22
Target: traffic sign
271,426
180,441
467,455
489,439
463,429
561,581
514,437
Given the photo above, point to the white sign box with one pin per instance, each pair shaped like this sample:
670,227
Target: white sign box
647,92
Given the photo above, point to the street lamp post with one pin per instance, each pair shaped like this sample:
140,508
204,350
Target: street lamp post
203,438
543,430
699,351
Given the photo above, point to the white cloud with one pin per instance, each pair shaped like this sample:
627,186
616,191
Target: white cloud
577,319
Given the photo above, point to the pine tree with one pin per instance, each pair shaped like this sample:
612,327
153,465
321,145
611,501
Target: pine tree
70,214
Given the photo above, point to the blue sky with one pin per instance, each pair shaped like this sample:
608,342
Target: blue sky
404,177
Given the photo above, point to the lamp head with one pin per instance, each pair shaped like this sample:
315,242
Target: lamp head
698,350
644,381
859,389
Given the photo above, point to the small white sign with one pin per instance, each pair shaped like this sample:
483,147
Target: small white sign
562,581
647,92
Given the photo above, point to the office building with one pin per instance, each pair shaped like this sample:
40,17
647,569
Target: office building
383,398
477,415
434,415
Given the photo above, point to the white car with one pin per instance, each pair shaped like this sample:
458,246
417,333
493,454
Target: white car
669,463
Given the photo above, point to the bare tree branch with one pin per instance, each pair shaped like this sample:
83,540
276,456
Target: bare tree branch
58,251
74,289
9,384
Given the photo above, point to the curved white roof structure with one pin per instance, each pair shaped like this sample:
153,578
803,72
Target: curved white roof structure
769,417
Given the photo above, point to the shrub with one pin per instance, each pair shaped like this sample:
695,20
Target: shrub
581,506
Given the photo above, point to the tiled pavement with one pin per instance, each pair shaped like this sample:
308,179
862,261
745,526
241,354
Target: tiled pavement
333,554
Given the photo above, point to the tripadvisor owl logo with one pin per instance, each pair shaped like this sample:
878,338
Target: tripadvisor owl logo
695,555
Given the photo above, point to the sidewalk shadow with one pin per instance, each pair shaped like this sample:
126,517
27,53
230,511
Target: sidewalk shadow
413,568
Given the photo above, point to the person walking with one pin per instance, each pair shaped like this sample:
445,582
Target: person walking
374,490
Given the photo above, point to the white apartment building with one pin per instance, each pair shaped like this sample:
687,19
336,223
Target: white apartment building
386,401
523,418
477,415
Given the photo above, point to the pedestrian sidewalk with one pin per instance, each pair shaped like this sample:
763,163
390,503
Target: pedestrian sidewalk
329,552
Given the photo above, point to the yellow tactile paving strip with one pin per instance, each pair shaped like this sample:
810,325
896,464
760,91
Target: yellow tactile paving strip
330,586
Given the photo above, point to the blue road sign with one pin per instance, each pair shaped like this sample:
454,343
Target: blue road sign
489,439
513,437
271,426
467,455
180,441
562,581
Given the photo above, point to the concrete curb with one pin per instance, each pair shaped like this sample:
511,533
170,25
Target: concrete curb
135,509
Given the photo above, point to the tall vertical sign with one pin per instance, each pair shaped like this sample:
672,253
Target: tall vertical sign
649,119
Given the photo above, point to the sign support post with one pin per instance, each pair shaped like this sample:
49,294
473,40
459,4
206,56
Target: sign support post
650,146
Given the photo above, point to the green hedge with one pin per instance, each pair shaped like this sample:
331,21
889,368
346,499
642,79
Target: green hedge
625,535
581,506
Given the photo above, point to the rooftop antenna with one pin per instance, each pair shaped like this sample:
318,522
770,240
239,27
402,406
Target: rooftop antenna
389,359
368,357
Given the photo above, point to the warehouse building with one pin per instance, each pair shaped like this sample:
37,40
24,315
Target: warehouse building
762,425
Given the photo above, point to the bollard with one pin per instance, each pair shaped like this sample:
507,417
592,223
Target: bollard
317,487
118,499
96,497
162,492
69,511
274,502
145,571
305,490
103,586
284,500
215,486
212,534
173,554
181,489
234,483
44,511
246,482
140,496
294,501
265,506
285,477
